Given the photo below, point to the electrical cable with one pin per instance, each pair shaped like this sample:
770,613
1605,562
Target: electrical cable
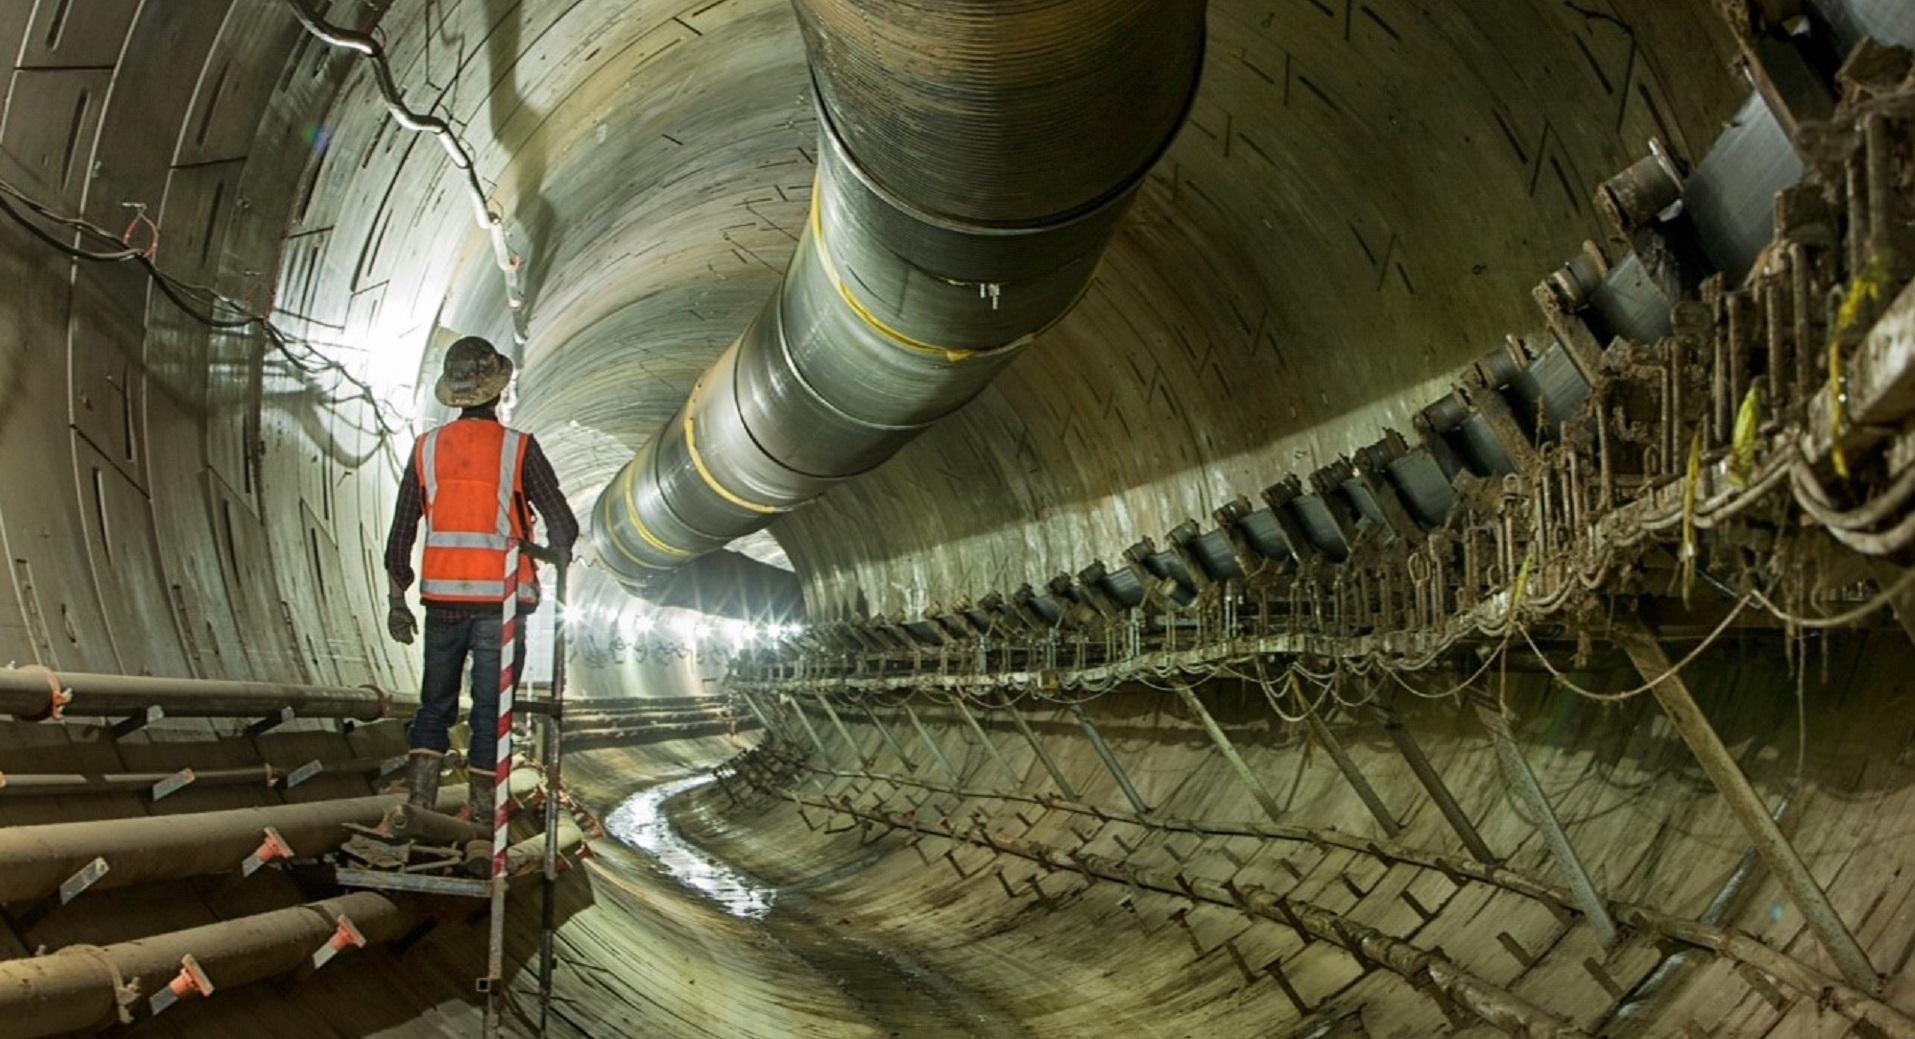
179,292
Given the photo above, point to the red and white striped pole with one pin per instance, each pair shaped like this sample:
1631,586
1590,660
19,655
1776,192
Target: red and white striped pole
501,788
508,682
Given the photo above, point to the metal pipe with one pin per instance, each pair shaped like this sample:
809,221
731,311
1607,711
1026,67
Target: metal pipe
890,740
640,734
990,747
1438,790
1523,781
70,784
1639,1004
1229,751
580,720
34,860
1110,761
1358,782
863,758
1782,859
932,745
83,988
974,161
1043,756
28,692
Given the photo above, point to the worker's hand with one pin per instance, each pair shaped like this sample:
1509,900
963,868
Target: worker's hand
399,621
542,553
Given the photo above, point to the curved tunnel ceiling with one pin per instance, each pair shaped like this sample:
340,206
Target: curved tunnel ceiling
1356,208
1363,197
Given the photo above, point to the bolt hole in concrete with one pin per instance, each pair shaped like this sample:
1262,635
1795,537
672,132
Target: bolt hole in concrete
897,995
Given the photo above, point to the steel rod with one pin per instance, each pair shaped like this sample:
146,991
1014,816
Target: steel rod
1111,763
1229,751
763,719
932,745
1438,790
811,729
1351,774
28,692
989,747
890,740
1720,766
1523,782
1043,756
863,758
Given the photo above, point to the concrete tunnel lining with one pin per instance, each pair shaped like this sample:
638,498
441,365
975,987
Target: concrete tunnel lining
1355,212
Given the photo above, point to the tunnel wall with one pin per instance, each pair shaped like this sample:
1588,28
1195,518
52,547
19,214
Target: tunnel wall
181,501
1076,957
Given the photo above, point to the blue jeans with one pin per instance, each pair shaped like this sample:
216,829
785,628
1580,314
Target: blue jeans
452,636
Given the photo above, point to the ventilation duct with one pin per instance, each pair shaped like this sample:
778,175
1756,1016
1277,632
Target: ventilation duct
975,159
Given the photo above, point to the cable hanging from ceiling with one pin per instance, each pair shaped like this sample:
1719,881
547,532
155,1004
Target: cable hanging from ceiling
200,302
511,264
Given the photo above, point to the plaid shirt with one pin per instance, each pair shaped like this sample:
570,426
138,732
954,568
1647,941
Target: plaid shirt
541,489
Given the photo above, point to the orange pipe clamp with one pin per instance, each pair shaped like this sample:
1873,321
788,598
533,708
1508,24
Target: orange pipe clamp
191,981
273,849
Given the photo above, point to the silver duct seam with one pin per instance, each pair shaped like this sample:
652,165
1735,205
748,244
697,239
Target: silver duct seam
974,161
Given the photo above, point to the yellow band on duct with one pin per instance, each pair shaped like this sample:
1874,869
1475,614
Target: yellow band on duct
698,462
631,512
951,354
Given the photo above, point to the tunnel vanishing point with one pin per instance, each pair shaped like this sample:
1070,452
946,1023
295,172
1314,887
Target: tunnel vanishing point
1295,518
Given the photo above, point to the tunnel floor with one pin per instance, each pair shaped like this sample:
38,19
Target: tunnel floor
892,993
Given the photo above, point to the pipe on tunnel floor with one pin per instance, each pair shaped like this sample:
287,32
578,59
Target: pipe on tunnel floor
69,784
82,988
34,860
30,692
975,160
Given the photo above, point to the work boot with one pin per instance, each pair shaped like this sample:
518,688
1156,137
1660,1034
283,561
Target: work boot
480,787
422,791
422,778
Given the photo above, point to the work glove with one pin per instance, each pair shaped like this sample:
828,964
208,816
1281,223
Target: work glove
399,621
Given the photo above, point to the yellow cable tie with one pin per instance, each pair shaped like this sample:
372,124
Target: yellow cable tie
1748,427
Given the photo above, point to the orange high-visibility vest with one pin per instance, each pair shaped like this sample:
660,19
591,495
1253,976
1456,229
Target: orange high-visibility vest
472,472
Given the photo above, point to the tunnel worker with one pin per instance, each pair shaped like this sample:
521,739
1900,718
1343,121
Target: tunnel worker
471,480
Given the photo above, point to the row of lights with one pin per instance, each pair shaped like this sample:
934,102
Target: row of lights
686,627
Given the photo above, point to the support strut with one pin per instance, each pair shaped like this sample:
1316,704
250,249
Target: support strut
1782,858
1523,782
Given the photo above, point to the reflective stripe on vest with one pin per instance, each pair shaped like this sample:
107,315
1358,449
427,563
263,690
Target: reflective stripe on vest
471,471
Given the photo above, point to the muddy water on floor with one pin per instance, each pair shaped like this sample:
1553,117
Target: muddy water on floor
639,823
901,996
